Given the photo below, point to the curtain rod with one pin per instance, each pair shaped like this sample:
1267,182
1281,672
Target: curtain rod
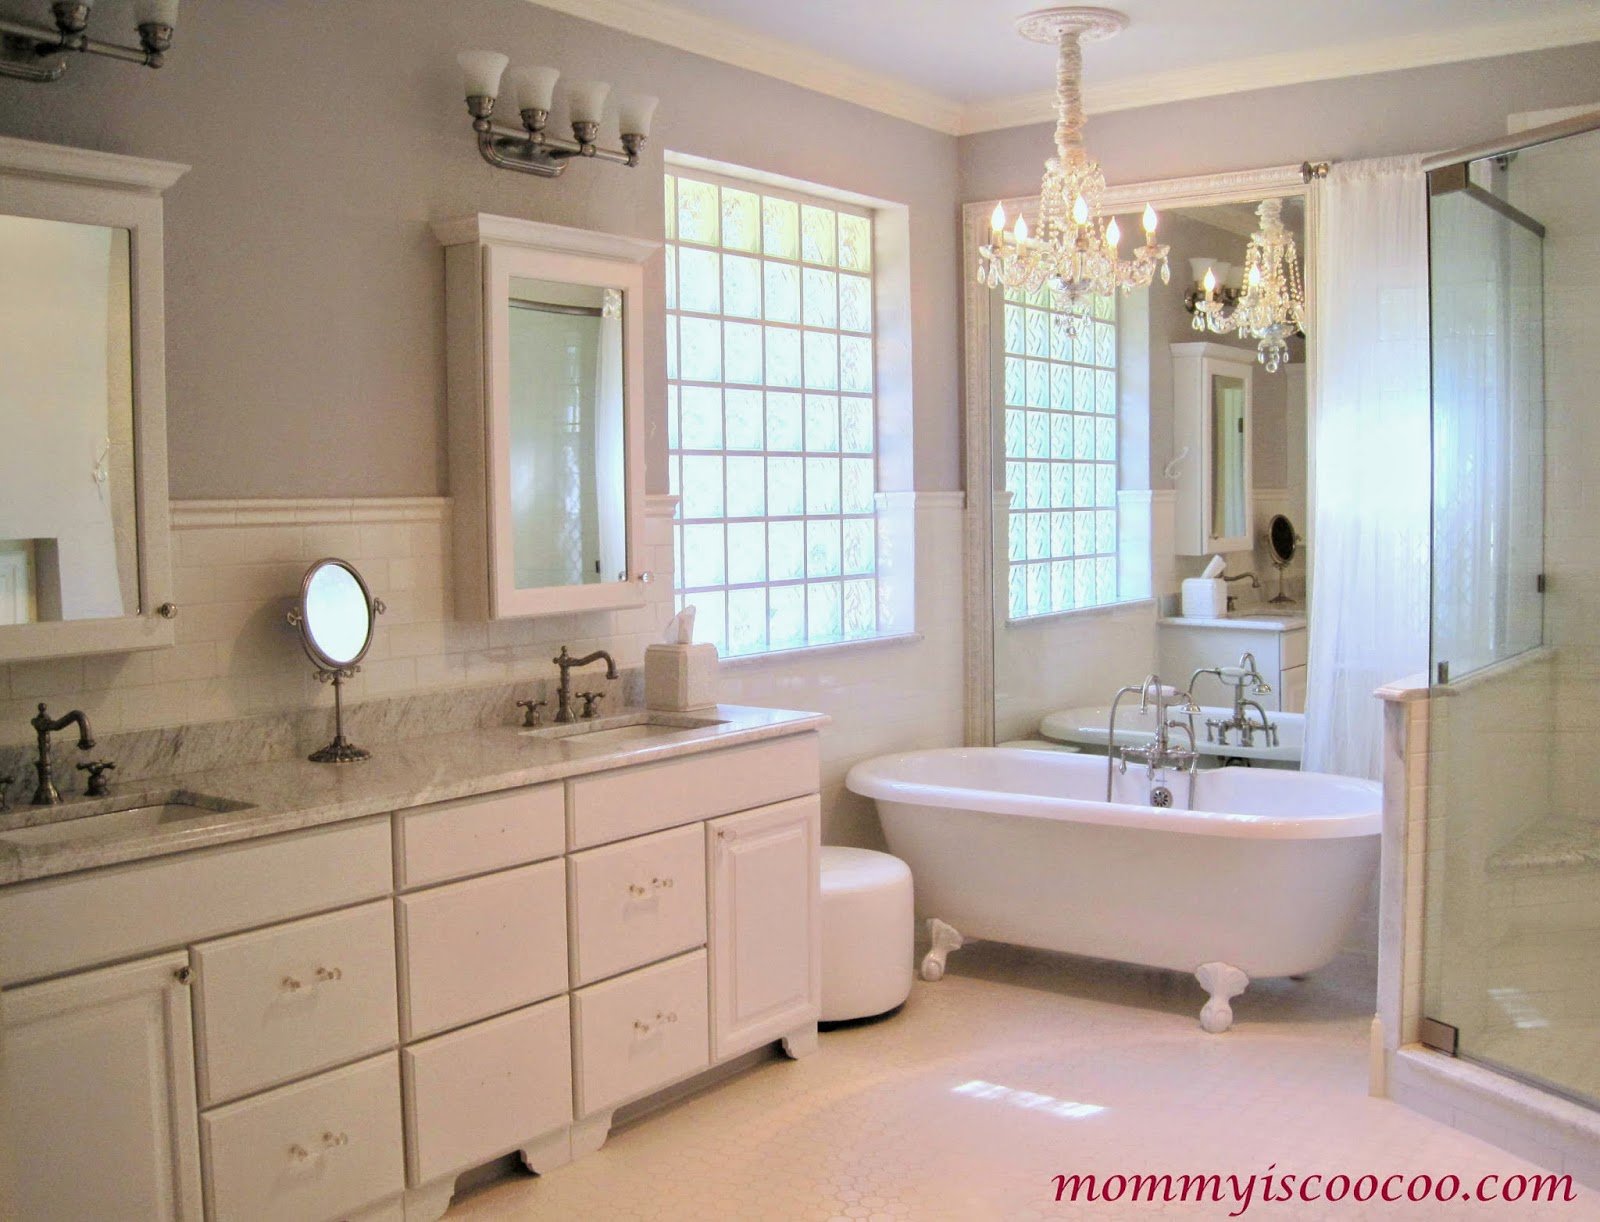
1574,126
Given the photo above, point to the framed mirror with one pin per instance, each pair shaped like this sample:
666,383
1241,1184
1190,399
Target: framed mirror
84,564
1212,395
545,350
1283,543
335,615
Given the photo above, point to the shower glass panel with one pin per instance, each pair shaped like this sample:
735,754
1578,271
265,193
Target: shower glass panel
1511,956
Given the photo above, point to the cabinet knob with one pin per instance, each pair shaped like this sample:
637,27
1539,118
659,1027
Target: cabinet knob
290,984
299,1153
325,974
183,975
167,610
661,884
334,1140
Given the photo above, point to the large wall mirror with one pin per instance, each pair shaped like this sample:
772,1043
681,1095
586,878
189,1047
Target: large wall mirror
545,354
83,515
1104,468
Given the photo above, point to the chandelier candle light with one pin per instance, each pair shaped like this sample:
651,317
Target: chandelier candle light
1272,306
1074,251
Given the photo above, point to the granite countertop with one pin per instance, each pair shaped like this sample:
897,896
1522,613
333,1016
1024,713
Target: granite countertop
1255,619
1551,844
293,794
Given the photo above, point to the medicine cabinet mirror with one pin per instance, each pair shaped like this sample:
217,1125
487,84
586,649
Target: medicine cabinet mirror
1211,399
545,332
84,549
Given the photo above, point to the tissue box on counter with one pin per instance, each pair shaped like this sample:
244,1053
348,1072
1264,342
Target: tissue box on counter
678,678
1205,597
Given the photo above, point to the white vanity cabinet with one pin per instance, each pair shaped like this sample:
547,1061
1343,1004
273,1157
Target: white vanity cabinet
1279,643
337,1022
99,1092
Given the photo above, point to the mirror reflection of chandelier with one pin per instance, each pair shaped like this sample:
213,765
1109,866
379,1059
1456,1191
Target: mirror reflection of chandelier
1071,250
1272,306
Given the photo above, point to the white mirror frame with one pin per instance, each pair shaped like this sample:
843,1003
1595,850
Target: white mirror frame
54,182
1195,367
1241,186
483,254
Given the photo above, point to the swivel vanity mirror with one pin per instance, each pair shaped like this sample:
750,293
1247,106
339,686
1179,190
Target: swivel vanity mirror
1283,543
335,616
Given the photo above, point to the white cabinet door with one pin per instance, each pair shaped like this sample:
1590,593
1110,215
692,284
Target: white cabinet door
99,1093
765,939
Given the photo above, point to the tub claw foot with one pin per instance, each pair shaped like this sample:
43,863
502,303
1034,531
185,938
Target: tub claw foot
1224,982
945,939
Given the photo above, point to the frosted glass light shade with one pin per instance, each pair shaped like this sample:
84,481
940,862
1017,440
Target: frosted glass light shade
1199,267
533,88
481,71
586,100
156,12
635,115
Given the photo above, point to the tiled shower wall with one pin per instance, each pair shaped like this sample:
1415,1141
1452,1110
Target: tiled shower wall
238,566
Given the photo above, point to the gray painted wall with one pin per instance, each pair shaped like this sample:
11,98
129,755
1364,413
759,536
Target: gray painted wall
304,290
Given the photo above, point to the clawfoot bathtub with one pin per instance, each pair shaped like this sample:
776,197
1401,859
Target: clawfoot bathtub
1262,877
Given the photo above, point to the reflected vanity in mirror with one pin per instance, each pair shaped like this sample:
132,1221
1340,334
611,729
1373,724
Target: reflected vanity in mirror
84,564
1211,400
335,615
545,329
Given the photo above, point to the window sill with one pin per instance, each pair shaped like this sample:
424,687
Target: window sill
779,657
1083,612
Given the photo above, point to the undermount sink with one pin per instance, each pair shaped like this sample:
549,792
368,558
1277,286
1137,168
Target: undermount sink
118,816
624,728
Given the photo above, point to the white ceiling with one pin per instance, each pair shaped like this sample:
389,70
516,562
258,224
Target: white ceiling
959,65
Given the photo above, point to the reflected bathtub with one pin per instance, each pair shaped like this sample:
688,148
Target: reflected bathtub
1089,726
1264,876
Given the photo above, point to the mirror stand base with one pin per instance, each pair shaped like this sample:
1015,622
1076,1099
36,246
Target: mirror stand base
341,750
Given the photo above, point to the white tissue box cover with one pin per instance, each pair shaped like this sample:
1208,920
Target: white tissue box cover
678,678
1205,597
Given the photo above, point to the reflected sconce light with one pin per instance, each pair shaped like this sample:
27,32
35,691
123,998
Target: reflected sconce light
1215,295
38,53
533,150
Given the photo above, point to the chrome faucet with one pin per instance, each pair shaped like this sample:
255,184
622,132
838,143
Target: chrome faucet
567,663
46,794
1237,677
1161,754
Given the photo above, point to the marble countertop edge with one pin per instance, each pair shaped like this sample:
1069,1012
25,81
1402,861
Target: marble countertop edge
292,795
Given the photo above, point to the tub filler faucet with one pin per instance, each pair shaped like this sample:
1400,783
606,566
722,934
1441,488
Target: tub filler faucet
1238,677
1160,755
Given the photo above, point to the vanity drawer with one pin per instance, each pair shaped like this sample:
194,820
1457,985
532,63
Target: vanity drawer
483,946
488,1088
434,844
648,797
640,1031
636,902
291,999
57,924
317,1149
1293,648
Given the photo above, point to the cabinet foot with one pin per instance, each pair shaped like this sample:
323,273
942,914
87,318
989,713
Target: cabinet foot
428,1203
801,1042
549,1152
590,1133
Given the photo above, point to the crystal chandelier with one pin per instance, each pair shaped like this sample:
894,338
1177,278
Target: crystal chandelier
1073,251
1272,306
1214,298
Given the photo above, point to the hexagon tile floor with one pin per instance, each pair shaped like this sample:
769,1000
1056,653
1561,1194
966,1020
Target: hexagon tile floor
1016,1067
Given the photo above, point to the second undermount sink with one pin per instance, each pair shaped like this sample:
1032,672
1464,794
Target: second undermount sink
624,728
146,812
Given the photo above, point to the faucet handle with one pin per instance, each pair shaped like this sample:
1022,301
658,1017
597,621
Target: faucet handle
590,699
530,711
99,783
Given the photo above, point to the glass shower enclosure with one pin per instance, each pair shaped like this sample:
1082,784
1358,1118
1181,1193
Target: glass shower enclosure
1511,955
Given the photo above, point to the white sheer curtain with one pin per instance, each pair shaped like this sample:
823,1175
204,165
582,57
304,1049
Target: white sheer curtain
1370,456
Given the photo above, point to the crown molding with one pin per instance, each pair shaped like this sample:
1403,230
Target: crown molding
667,23
1295,68
774,57
63,163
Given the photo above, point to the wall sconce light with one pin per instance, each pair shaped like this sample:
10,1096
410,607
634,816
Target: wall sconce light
532,150
1215,294
23,46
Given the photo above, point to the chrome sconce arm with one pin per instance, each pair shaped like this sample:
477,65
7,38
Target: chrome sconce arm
533,149
21,44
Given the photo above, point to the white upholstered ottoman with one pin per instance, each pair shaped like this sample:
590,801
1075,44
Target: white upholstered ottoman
867,933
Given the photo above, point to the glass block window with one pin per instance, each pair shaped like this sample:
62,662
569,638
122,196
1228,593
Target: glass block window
1060,403
771,423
